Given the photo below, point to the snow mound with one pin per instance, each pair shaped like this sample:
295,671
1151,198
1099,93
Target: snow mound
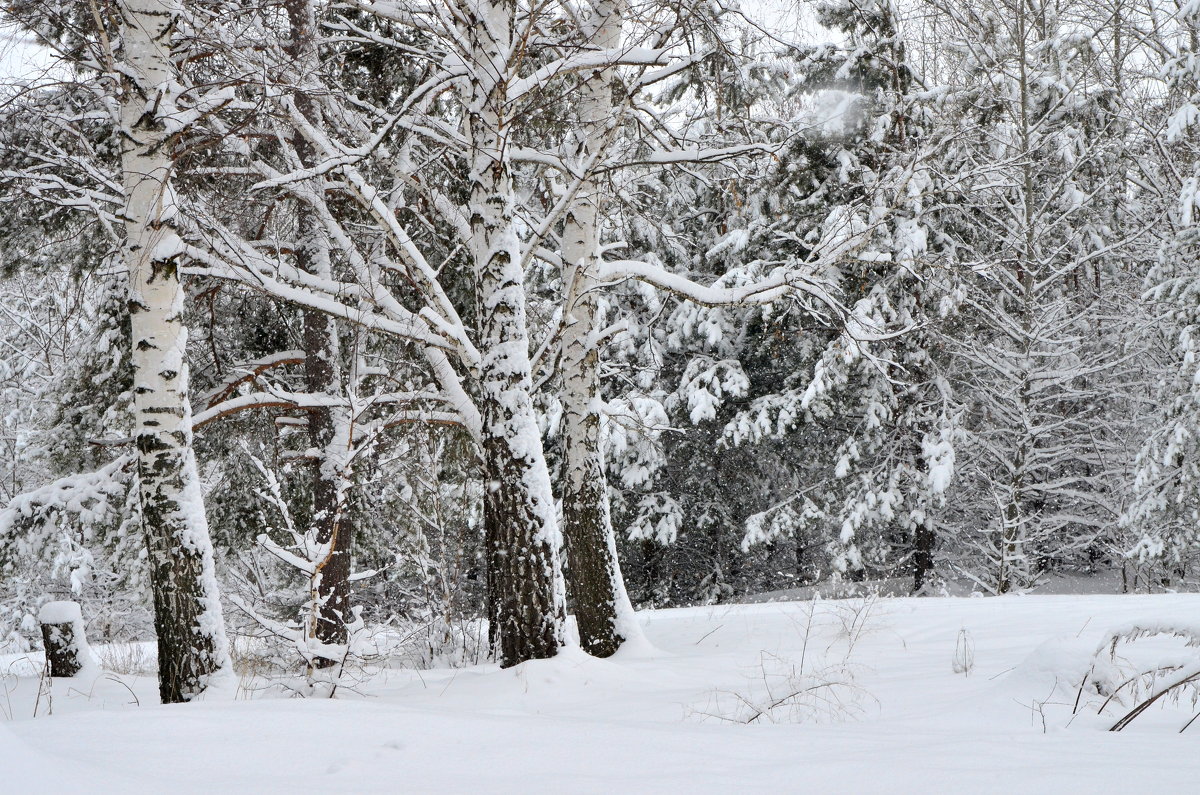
60,613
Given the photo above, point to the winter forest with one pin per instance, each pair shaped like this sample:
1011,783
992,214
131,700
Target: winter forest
674,362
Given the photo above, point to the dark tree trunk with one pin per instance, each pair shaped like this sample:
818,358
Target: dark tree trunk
62,637
331,526
923,542
188,652
591,565
524,615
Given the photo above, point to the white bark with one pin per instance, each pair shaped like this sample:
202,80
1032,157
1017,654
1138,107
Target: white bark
525,591
191,634
605,616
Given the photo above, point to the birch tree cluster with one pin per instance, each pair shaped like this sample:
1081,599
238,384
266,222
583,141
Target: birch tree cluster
356,327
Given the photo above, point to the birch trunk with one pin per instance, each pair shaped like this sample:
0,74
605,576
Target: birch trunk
330,428
187,612
602,608
525,599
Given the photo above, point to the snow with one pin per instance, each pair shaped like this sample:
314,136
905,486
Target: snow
60,613
642,722
66,612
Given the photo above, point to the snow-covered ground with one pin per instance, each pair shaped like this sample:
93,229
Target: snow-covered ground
883,710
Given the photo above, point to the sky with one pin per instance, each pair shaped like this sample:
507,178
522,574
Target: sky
20,58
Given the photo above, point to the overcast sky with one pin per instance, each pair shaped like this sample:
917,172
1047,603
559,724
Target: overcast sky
21,59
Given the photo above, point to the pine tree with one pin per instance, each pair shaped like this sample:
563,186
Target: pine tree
1031,367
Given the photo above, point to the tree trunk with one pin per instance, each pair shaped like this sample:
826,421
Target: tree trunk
923,542
602,609
329,428
1012,554
525,599
187,610
332,528
63,638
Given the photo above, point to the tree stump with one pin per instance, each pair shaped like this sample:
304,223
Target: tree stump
64,639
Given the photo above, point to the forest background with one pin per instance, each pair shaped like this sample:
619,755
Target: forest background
484,313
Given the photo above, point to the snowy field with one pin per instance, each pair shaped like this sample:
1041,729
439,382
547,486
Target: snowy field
880,708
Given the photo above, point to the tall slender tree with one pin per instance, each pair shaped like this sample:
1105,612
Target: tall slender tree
602,607
187,610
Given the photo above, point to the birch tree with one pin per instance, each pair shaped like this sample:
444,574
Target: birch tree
139,93
602,607
192,649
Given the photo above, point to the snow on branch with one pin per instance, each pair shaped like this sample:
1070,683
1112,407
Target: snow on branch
694,155
249,372
88,495
582,61
280,398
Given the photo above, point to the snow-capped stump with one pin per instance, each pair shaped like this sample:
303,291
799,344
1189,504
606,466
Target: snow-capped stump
67,651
